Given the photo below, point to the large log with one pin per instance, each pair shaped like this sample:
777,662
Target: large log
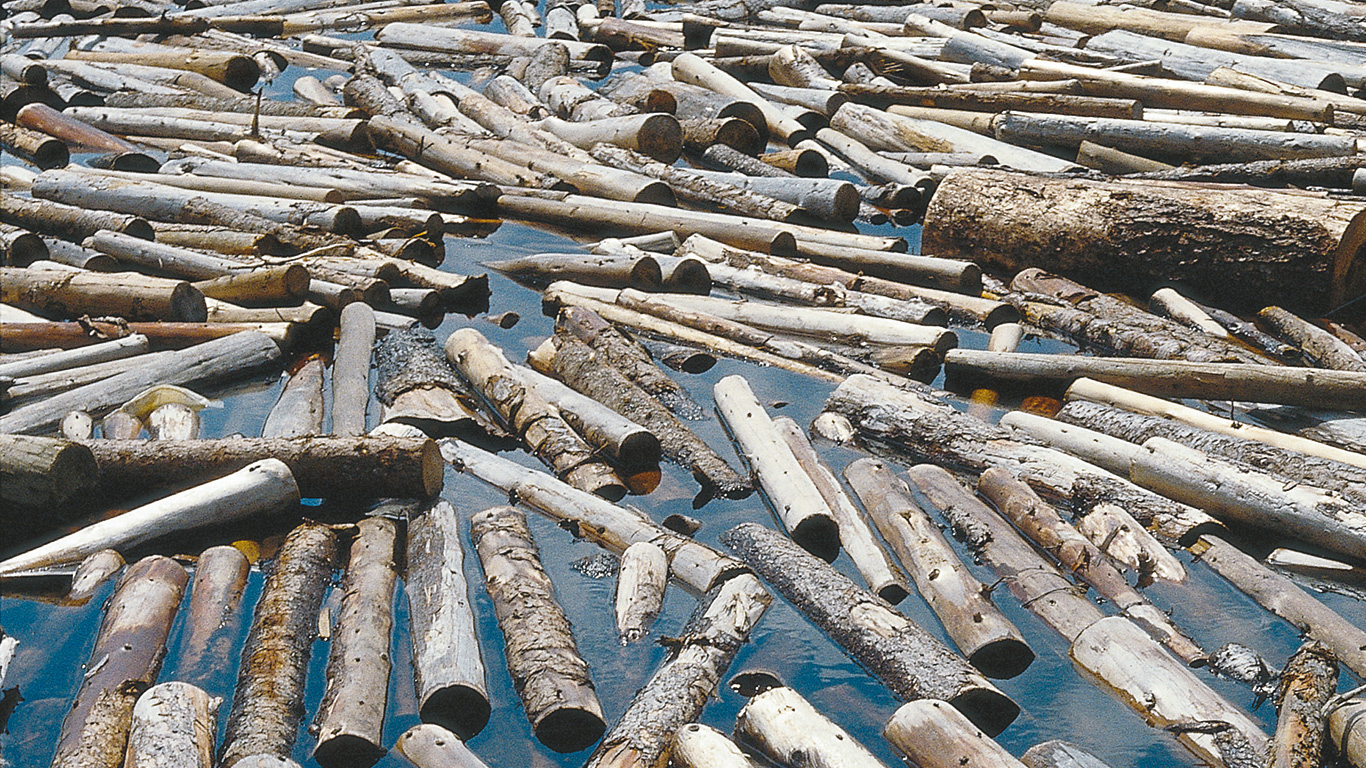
416,385
268,702
1125,235
786,728
125,294
1347,729
550,676
906,658
173,727
624,354
43,471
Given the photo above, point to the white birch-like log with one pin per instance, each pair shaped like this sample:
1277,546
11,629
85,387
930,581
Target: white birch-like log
117,349
641,580
701,746
932,734
627,442
786,728
174,726
431,746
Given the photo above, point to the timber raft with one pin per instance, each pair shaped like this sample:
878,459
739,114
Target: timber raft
965,384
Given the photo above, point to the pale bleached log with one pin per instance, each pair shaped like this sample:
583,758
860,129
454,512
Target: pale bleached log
932,734
613,527
756,282
856,536
1347,729
1306,564
627,442
351,370
77,425
655,135
116,349
551,678
1169,303
806,321
268,701
92,573
690,68
641,580
1059,754
299,411
977,627
701,746
790,491
349,724
173,726
1302,697
785,727
1318,345
211,625
431,746
173,421
44,471
261,488
447,668
885,642
674,695
1116,533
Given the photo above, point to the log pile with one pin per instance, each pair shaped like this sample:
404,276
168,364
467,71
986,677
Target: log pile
982,249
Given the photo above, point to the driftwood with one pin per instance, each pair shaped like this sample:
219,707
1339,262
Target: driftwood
641,579
935,735
268,700
882,640
787,729
173,726
550,676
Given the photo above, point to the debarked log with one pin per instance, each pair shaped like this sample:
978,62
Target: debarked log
1059,754
1318,345
91,574
906,658
431,746
173,726
932,734
785,727
1347,729
701,746
641,581
299,410
608,270
214,616
628,443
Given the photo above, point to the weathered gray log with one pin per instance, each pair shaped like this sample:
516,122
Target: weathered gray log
641,580
299,411
615,528
350,720
268,702
698,188
982,633
609,270
627,442
215,615
626,356
786,728
173,726
1319,346
933,734
128,650
431,746
447,668
1059,754
43,471
907,659
1308,683
363,467
675,694
551,677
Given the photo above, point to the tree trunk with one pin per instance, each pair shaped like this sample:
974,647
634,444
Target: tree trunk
91,574
431,746
43,471
622,353
173,727
215,615
786,728
611,271
126,294
628,444
933,734
299,411
906,658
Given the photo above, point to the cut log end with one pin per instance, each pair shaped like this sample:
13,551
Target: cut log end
570,729
987,708
348,751
820,536
1002,659
460,709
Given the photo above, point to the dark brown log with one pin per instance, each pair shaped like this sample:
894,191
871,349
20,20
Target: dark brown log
38,148
906,658
268,702
361,467
19,247
1308,683
67,221
163,335
125,294
626,356
550,676
78,135
43,471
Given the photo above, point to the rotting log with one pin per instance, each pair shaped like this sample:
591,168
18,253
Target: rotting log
214,614
268,701
128,649
44,471
550,676
173,726
416,385
641,580
365,466
885,642
786,728
447,668
1232,243
350,719
932,734
614,528
963,604
1302,697
431,746
675,694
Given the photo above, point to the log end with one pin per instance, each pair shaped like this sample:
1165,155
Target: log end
188,304
987,708
1002,659
660,137
347,750
570,729
460,709
433,469
819,535
656,193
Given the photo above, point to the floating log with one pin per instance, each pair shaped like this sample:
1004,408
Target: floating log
933,734
299,411
365,466
786,728
133,296
627,442
1345,729
43,471
1308,683
791,493
622,353
268,701
654,135
350,719
1119,535
882,640
173,726
977,627
608,270
701,746
128,650
220,576
1059,754
447,668
67,221
641,579
351,370
91,574
431,746
1319,346
550,676
416,385
674,695
1288,560
615,528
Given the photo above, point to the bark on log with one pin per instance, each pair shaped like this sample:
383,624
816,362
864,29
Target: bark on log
128,649
268,700
361,467
622,353
431,746
908,660
214,615
447,668
613,527
1308,683
549,674
932,734
267,286
1294,239
43,471
126,294
675,694
963,604
628,443
67,221
1319,346
173,727
786,728
350,720
641,580
610,270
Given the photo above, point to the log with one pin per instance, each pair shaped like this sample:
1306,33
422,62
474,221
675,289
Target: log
622,353
977,627
675,694
299,410
416,385
1319,346
173,726
626,442
906,658
826,324
1059,754
1288,560
830,200
214,614
1317,258
351,370
268,702
67,221
700,134
786,728
1282,597
350,719
791,493
127,652
1124,539
447,668
615,528
71,294
266,286
1346,731
856,536
43,471
431,746
1168,303
362,467
551,677
689,68
933,734
697,188
91,574
701,746
1302,698
657,136
608,270
641,579
37,148
530,416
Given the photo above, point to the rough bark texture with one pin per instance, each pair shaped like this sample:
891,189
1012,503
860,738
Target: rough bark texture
906,658
268,702
1310,679
1252,249
626,356
550,676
